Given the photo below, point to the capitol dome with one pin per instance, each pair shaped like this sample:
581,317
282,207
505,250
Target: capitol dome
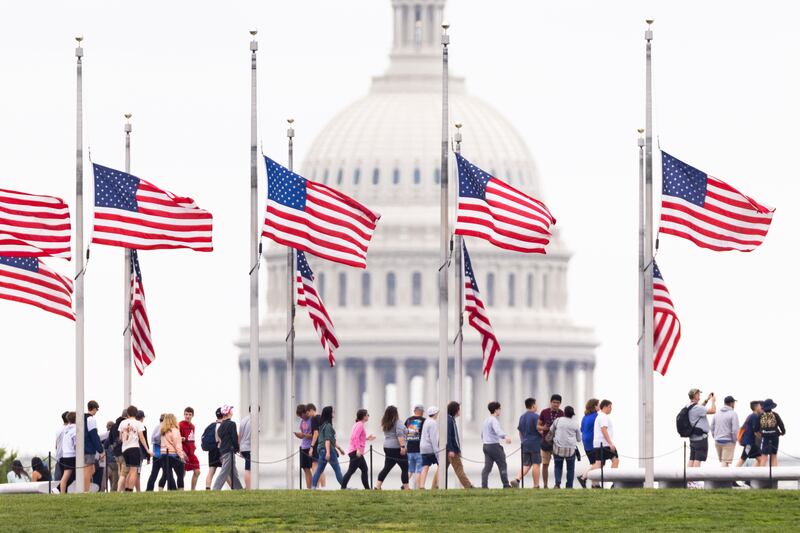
384,150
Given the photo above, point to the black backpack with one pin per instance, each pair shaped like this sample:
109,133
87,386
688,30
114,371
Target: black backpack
209,440
684,426
114,438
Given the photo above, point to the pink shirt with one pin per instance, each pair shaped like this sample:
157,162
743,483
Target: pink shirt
358,438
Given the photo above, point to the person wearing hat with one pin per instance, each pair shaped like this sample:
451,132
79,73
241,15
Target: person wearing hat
228,443
429,446
414,425
698,441
724,428
17,474
771,428
214,461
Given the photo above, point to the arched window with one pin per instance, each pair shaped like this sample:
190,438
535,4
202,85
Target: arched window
490,288
512,287
436,177
376,176
529,291
325,177
396,176
545,291
366,295
356,176
417,176
339,177
320,282
391,289
342,289
416,288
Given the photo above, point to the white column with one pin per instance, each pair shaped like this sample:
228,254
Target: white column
431,367
398,27
328,386
344,410
303,375
375,398
490,387
271,393
588,383
403,386
519,393
561,377
570,393
313,392
542,391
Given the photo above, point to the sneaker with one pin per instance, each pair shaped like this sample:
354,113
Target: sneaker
515,483
582,482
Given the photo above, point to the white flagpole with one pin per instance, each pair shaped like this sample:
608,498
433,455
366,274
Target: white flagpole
126,350
443,255
79,318
458,359
648,341
290,311
640,314
255,257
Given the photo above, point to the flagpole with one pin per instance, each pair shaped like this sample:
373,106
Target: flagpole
79,318
255,256
458,360
126,350
290,311
443,258
648,341
640,315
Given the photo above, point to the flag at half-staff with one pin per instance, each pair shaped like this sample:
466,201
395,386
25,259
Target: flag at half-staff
32,225
133,213
666,326
490,209
478,317
28,280
308,297
708,211
141,340
315,218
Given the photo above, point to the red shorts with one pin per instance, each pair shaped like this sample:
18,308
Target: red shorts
192,462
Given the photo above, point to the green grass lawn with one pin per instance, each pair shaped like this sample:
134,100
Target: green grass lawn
454,511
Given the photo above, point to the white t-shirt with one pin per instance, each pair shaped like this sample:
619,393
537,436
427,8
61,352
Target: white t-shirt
129,433
68,443
602,420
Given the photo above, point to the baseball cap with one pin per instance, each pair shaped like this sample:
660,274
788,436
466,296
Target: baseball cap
432,410
692,392
419,407
729,399
226,409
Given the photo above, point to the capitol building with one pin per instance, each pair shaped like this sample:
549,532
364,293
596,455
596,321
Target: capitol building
384,150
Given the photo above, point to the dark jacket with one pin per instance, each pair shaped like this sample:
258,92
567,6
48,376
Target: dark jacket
91,440
453,444
228,437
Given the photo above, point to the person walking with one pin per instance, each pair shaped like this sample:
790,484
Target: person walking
327,448
39,470
394,447
192,463
429,448
603,445
546,419
414,425
228,443
209,444
749,439
155,444
566,436
531,443
358,444
172,454
771,428
724,428
132,433
244,446
587,436
491,437
312,450
304,434
69,445
454,445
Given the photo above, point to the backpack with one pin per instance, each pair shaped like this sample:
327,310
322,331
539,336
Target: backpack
683,424
768,423
209,440
114,438
740,434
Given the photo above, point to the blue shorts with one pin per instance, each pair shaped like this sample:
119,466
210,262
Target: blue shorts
414,463
429,459
246,456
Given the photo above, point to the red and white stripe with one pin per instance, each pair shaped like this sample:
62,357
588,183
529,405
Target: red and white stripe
729,220
308,297
479,319
33,225
666,327
141,339
333,226
163,221
45,289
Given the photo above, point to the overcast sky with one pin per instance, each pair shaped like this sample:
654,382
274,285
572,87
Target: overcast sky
569,76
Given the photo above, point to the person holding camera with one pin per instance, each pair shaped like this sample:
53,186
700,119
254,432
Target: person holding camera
698,441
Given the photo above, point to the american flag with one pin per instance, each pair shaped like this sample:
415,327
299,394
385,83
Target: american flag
709,212
315,218
132,213
478,317
32,225
666,326
141,341
28,280
308,297
493,210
